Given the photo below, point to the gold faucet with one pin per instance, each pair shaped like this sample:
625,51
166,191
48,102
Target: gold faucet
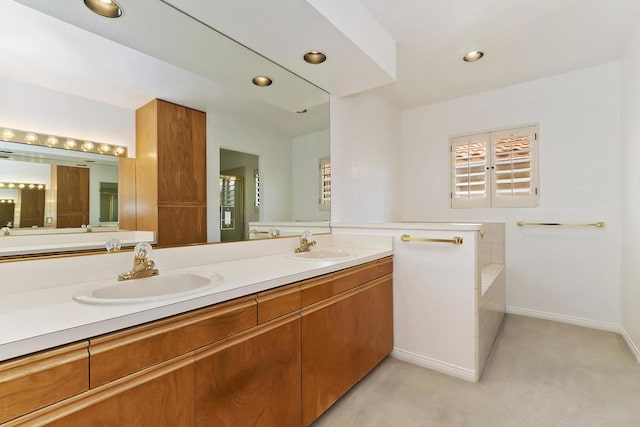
142,266
305,242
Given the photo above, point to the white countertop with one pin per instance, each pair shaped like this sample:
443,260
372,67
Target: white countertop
45,318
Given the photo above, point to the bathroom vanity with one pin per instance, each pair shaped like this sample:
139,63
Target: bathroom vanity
293,337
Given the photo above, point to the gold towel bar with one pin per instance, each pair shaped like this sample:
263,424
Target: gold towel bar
599,224
254,231
406,238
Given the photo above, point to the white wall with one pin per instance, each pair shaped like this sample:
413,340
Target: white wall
307,150
365,159
29,107
274,151
562,273
631,192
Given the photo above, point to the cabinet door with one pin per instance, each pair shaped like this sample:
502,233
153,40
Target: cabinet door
375,324
329,359
182,174
159,396
252,379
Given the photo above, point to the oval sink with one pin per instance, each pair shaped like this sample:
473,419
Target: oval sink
322,255
148,289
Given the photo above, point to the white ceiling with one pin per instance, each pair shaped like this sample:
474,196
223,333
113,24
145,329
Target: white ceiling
522,39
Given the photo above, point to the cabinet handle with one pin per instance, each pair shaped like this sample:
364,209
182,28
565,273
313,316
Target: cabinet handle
456,240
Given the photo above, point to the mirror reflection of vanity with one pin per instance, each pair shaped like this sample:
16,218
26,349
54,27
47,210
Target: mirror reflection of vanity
95,80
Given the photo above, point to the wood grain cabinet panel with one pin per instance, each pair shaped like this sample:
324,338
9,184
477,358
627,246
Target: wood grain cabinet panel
355,276
118,354
72,204
374,338
182,139
181,225
278,302
316,289
37,380
158,396
171,174
329,353
252,379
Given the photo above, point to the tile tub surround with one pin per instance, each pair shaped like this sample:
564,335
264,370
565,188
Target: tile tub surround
38,301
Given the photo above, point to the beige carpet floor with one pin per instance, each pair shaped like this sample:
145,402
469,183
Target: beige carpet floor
540,373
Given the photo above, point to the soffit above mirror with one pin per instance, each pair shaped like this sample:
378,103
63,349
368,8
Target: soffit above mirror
152,51
362,55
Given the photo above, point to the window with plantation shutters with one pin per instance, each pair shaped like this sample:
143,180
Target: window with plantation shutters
495,169
325,184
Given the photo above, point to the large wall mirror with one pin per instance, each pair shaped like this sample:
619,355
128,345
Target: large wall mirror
68,71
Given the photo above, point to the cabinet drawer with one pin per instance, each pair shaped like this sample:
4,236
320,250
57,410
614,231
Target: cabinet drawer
122,353
316,289
385,266
159,396
37,380
355,276
278,302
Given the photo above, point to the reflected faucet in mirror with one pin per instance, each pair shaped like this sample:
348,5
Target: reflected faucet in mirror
5,231
305,242
142,265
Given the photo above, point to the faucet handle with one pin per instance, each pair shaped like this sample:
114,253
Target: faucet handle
306,235
142,250
5,230
113,245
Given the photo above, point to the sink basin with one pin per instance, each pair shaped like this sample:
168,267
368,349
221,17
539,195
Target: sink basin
148,289
322,255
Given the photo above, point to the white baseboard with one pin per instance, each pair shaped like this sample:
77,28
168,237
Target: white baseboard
634,349
578,321
436,365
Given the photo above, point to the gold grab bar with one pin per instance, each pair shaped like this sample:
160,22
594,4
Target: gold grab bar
599,224
406,238
254,231
273,233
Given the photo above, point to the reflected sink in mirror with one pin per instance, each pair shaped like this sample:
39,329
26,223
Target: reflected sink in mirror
322,255
149,289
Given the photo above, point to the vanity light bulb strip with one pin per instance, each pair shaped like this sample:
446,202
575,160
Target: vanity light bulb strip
8,201
62,142
21,185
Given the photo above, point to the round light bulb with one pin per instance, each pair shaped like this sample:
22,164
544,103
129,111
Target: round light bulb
105,148
7,134
52,140
30,138
70,143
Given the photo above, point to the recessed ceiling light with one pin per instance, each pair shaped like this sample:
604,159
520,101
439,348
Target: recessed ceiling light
106,8
315,57
473,56
304,110
262,81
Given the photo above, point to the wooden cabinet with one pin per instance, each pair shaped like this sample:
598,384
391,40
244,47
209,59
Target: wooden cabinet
31,382
159,396
280,357
343,338
251,379
72,199
111,355
171,176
